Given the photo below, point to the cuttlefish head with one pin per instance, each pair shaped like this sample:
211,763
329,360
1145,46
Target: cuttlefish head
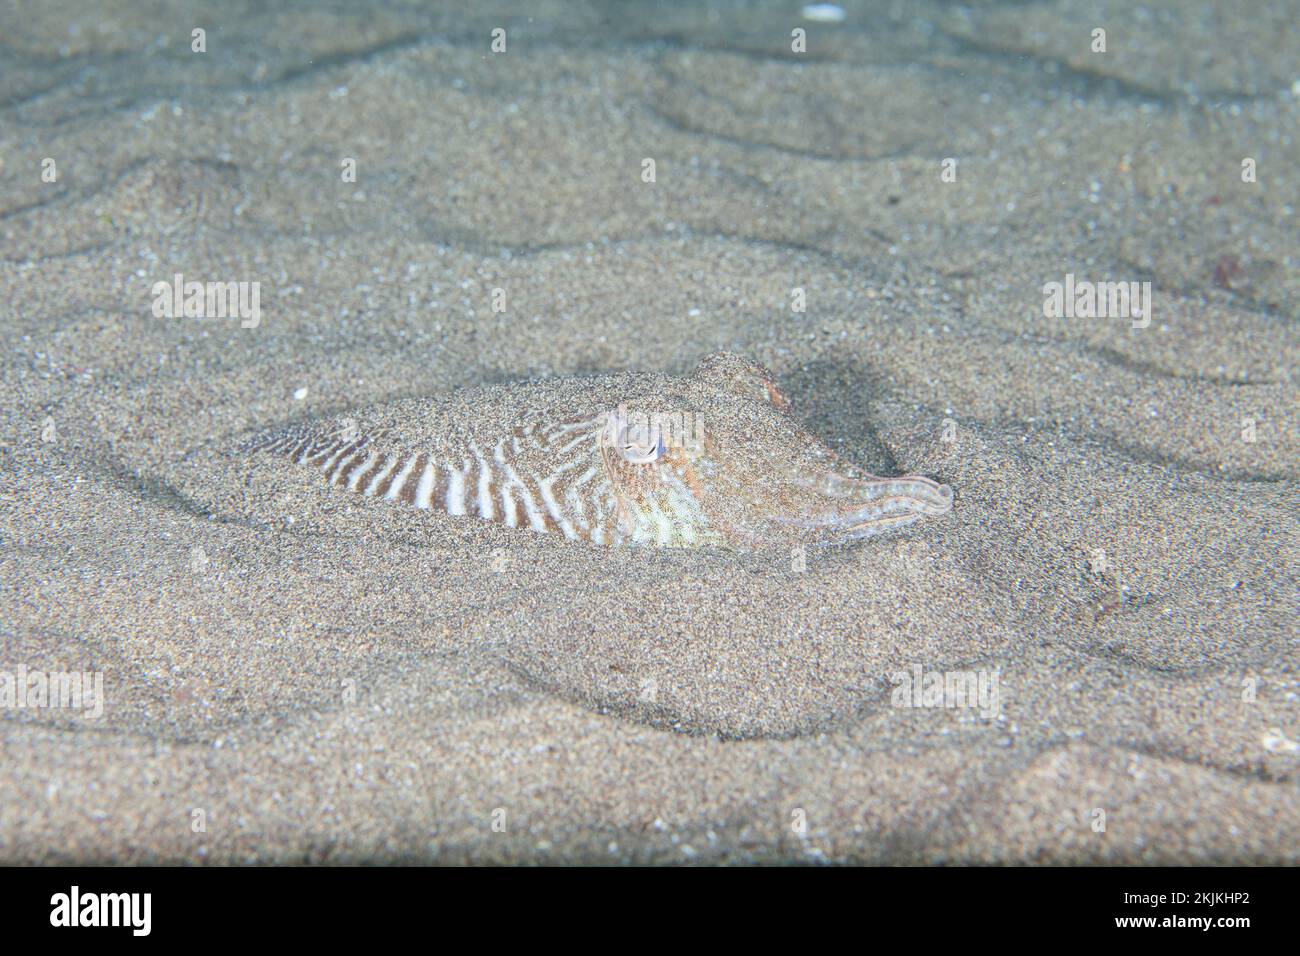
717,460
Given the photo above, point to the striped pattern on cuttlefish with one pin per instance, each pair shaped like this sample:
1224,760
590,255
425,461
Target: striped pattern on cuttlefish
713,459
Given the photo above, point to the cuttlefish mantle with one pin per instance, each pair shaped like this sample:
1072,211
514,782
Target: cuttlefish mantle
713,459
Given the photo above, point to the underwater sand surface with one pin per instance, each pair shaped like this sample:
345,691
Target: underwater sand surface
292,673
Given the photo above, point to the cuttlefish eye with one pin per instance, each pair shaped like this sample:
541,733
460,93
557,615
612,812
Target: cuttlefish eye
643,452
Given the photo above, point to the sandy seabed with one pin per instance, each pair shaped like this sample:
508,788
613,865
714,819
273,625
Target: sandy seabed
290,676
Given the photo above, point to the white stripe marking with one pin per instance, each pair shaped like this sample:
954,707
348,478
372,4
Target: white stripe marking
384,472
507,500
395,488
535,520
424,493
332,453
485,508
336,473
580,440
456,490
355,478
554,508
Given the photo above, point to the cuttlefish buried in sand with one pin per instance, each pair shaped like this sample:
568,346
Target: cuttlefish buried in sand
712,459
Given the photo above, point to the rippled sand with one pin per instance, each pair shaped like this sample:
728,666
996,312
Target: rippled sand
313,680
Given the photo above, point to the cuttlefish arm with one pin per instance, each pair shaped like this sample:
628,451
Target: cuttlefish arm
856,507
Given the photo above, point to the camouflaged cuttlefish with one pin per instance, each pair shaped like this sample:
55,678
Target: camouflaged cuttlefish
708,460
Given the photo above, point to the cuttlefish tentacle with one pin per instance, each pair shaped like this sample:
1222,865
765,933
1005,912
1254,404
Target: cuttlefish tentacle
712,459
861,506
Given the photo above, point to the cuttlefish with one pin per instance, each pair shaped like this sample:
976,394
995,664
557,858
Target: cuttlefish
713,459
